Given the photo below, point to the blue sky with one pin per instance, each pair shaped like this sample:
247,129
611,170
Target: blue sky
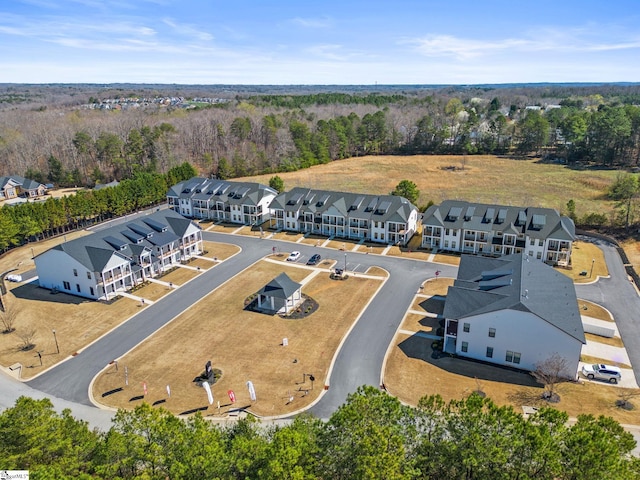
322,42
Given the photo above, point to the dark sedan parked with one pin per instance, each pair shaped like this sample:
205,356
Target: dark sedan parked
314,260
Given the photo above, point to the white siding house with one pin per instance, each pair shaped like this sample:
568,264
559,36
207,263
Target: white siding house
99,265
513,311
457,226
385,219
244,203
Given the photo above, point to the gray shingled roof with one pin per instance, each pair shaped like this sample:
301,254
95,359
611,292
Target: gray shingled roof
486,217
351,205
25,183
280,287
233,193
94,251
512,283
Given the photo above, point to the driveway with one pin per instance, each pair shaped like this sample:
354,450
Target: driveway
618,295
359,361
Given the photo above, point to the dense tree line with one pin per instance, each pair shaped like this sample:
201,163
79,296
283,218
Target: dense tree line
257,134
30,221
371,436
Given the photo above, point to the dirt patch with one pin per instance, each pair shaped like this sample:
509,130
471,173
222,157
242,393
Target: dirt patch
201,263
244,345
631,247
371,248
377,271
447,259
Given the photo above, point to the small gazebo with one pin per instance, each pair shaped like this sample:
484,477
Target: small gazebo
280,295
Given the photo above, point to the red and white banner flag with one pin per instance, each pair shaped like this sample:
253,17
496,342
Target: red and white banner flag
144,387
168,391
232,396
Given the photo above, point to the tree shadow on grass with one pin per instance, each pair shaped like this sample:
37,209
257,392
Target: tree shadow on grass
421,348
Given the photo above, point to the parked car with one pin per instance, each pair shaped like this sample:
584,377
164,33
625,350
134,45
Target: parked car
314,260
293,257
602,372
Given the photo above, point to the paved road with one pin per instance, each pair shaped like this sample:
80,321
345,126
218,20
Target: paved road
620,297
359,361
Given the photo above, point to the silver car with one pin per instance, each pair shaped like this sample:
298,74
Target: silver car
602,372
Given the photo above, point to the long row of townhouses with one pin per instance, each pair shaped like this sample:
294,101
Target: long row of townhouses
99,265
506,307
114,259
457,226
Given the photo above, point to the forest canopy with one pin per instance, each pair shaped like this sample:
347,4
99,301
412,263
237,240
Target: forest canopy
372,435
80,135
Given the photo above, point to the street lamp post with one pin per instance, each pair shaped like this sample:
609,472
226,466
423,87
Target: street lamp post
591,271
345,263
56,340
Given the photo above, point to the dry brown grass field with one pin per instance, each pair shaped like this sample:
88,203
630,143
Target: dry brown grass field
77,322
478,178
411,370
485,178
412,373
244,345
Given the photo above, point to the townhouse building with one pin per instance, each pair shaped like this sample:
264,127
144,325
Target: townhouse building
245,203
513,311
465,227
117,258
385,219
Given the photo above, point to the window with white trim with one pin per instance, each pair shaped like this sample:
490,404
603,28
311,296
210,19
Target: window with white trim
513,357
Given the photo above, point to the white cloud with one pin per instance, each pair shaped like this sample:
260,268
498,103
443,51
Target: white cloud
323,22
541,40
188,30
328,51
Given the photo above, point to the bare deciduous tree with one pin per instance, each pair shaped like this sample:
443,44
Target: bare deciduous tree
624,398
27,337
8,316
550,373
